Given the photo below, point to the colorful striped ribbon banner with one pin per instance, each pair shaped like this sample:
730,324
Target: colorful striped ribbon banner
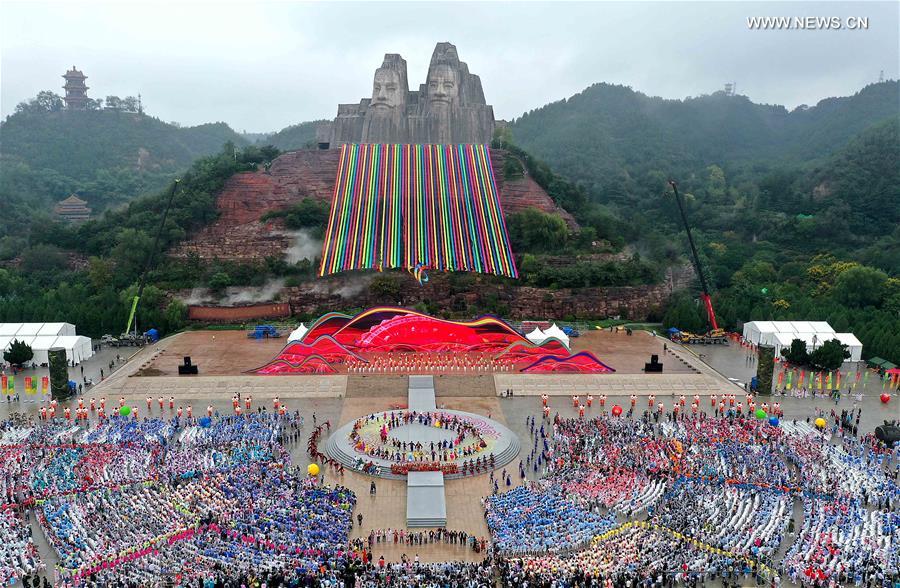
396,206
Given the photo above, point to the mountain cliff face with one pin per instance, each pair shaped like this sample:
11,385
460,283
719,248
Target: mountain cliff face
239,235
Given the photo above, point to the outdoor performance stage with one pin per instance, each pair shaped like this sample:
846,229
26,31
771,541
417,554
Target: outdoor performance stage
387,340
425,445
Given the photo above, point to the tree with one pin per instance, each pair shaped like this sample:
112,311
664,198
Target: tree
176,315
43,257
860,286
45,101
829,356
18,353
114,103
131,250
219,281
684,313
796,353
536,231
129,104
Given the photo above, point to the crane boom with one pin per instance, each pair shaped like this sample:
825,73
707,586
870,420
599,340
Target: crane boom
149,262
707,302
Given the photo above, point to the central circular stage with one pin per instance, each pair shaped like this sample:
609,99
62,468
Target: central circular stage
388,444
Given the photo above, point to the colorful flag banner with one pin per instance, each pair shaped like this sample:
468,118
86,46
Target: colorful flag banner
28,385
4,384
45,385
435,207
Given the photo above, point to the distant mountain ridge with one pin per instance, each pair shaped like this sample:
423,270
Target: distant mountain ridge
78,143
104,156
607,127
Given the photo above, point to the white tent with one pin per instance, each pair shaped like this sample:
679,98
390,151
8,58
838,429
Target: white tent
777,340
57,329
298,333
28,330
42,337
853,345
755,331
77,348
557,333
536,336
9,329
40,346
821,327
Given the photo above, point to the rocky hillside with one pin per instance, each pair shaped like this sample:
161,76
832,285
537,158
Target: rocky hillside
239,235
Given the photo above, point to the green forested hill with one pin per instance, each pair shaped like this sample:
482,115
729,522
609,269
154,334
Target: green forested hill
294,137
77,144
609,135
107,157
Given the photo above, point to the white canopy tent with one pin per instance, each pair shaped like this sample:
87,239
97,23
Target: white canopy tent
77,348
9,329
756,331
536,336
298,333
42,337
780,334
557,333
821,327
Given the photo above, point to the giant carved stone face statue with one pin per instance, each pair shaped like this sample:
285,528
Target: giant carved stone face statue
387,90
443,84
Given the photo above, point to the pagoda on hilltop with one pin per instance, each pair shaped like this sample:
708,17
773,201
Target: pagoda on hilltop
76,90
73,209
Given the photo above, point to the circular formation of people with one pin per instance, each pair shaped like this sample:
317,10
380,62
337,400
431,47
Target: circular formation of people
624,497
453,439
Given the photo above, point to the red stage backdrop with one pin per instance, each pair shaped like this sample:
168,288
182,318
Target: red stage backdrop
386,337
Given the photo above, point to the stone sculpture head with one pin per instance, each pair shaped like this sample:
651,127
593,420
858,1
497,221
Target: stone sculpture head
389,88
443,84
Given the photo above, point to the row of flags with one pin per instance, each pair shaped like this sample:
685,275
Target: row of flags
830,380
8,385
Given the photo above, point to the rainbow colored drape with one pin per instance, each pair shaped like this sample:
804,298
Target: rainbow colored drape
396,206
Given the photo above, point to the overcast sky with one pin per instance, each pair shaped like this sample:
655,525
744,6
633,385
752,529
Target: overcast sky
263,66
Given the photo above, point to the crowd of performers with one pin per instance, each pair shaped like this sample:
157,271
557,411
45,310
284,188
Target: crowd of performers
153,501
686,497
646,497
467,443
87,408
428,362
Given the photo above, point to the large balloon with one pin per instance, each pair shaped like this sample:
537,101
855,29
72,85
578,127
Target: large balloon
761,414
312,469
125,411
820,422
205,422
773,421
885,398
617,410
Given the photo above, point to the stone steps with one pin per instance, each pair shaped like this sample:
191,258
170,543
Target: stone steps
425,522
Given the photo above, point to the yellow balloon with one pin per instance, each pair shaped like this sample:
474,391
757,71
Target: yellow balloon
312,469
820,422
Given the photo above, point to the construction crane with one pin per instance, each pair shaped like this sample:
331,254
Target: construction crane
128,338
715,334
